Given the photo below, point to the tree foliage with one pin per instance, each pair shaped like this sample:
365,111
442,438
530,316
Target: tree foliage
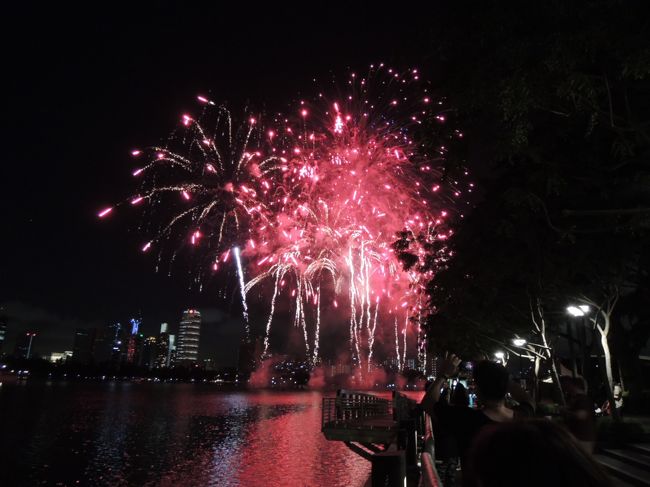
554,99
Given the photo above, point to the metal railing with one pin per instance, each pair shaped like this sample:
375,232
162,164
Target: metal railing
368,424
352,407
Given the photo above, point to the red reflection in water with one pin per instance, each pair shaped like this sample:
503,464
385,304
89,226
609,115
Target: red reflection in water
279,444
291,450
121,434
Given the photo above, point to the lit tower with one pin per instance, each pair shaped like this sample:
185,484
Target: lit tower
164,346
134,342
187,348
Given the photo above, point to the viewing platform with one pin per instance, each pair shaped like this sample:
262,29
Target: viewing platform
393,434
358,417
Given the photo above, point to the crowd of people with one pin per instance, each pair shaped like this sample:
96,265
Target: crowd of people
500,441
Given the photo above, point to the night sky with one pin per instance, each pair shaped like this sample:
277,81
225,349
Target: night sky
87,86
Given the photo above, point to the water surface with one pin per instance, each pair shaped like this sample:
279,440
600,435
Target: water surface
167,434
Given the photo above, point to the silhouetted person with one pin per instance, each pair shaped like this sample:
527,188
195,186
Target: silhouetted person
534,453
446,443
492,384
459,397
579,415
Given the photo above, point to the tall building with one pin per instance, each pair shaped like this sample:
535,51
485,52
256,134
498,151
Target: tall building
162,351
164,343
61,357
432,365
150,352
118,348
103,349
135,325
109,344
171,351
134,343
134,347
83,345
189,331
165,348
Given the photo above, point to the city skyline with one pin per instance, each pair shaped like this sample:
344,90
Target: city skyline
16,331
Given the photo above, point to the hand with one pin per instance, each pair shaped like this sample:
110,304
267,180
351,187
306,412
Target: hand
449,366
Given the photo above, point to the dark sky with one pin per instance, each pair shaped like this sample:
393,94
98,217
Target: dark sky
86,86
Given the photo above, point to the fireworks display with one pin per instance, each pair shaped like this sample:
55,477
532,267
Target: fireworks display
308,204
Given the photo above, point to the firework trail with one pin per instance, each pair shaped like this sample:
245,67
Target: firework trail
314,201
242,288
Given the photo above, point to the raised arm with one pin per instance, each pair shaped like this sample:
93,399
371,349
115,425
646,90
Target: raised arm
448,368
520,395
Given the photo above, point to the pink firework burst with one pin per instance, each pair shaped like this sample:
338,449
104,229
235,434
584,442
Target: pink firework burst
313,202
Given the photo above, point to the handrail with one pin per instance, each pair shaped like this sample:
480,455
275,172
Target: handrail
429,443
367,419
428,474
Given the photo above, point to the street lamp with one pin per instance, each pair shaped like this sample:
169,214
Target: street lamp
575,311
579,311
500,356
519,342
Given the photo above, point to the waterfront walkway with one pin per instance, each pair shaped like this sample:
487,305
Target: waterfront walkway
629,465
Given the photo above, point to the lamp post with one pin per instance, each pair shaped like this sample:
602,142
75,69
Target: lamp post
500,356
520,343
579,311
31,336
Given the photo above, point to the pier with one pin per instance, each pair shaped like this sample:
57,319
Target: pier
393,434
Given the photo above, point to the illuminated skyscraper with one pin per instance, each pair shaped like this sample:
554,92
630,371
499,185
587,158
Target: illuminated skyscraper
134,343
171,352
149,352
135,325
187,348
164,346
110,344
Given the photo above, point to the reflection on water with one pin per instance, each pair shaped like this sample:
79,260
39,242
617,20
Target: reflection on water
167,434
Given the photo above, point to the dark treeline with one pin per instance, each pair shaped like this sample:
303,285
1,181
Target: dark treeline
554,101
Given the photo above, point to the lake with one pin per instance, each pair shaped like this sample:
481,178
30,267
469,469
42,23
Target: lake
119,433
